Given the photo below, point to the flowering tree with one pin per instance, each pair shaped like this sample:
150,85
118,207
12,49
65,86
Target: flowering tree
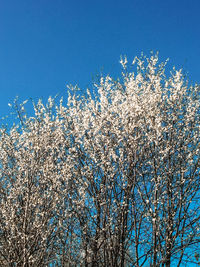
109,180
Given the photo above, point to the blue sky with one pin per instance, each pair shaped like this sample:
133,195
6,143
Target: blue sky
47,44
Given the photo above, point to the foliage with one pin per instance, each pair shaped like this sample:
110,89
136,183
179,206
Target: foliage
109,180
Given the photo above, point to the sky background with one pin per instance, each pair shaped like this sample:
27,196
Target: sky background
47,44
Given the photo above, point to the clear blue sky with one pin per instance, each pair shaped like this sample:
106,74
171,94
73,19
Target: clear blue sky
46,44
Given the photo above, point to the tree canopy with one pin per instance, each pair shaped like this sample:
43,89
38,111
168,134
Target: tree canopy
110,178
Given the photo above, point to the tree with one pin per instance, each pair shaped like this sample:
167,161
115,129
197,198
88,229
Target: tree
105,180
